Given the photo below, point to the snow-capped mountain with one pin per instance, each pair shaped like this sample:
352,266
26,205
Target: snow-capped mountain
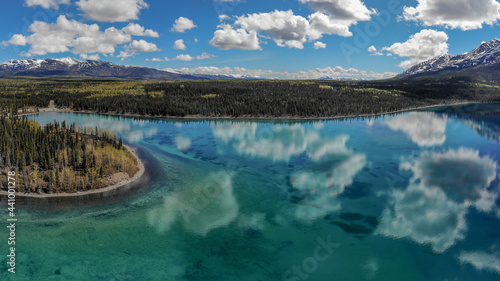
87,68
487,54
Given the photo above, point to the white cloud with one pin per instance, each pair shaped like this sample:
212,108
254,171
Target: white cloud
288,29
421,46
205,56
112,10
90,57
336,72
424,128
323,24
183,57
179,45
138,30
69,36
374,52
240,39
284,27
16,39
182,24
481,260
143,46
224,17
319,45
432,210
138,46
47,4
462,14
342,10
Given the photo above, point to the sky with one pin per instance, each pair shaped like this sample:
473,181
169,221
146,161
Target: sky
286,39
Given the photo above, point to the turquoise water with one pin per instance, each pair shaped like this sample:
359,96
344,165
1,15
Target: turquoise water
406,197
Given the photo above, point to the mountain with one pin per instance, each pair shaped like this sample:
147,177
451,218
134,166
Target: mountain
487,55
89,68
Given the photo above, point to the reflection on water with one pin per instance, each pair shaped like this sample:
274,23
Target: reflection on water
198,207
424,128
407,197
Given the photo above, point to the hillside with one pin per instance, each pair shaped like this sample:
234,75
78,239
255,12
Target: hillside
90,68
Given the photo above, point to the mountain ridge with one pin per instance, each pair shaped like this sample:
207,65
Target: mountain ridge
486,54
90,68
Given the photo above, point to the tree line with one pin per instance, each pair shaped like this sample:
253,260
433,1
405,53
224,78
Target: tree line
59,157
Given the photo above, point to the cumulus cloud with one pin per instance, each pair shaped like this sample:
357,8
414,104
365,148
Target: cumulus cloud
69,35
47,4
112,10
179,45
184,57
342,10
374,51
422,46
432,210
16,39
205,56
90,57
288,29
199,206
182,24
462,14
143,46
138,30
284,27
319,45
138,46
335,72
424,128
240,39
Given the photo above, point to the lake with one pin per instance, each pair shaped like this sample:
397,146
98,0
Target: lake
412,196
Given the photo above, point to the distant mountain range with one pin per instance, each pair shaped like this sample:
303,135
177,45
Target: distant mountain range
480,61
90,68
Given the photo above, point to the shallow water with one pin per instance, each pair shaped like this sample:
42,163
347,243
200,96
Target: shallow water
412,196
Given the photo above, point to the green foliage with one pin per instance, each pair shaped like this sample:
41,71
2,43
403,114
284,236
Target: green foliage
59,158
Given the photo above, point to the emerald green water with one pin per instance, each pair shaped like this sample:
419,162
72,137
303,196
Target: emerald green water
406,197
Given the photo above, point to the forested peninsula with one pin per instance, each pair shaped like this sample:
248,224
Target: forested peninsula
60,158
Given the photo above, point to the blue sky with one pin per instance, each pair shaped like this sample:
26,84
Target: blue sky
284,39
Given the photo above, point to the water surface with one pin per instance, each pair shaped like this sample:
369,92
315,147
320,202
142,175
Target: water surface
412,196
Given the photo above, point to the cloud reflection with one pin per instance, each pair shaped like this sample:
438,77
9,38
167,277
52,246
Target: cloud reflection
319,189
432,209
198,207
481,260
424,128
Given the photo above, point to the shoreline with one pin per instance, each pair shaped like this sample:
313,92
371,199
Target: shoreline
249,118
100,191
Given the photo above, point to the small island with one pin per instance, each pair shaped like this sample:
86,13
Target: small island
60,159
